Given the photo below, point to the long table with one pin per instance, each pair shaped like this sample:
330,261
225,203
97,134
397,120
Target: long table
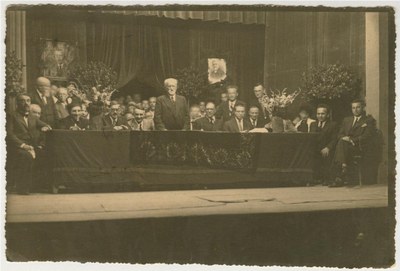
161,159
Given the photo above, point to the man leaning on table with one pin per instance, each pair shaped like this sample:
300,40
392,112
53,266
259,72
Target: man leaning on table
238,124
113,120
138,122
209,122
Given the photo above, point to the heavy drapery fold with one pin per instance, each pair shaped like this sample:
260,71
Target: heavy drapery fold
148,51
243,17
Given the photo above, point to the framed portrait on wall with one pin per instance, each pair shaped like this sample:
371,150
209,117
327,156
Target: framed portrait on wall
216,70
57,58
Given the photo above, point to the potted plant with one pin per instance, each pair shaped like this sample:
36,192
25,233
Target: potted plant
335,85
192,83
13,80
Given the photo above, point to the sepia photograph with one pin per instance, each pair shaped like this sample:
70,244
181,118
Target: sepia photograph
253,135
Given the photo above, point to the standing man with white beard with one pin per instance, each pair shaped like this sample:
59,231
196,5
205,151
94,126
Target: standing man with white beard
171,109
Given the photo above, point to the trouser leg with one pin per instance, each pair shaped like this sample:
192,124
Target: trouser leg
24,168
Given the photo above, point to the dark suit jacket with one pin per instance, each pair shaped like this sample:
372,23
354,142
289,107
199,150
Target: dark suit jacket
96,122
309,127
62,111
205,125
68,122
361,131
232,126
49,112
107,123
147,125
171,115
261,122
18,133
327,135
224,112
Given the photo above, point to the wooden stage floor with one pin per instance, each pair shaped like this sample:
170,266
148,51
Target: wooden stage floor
136,205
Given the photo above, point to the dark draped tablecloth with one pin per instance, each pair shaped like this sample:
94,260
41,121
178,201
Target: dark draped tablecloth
152,157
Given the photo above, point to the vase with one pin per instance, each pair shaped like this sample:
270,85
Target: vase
277,124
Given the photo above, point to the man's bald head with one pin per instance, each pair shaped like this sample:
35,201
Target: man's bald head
35,110
41,81
43,86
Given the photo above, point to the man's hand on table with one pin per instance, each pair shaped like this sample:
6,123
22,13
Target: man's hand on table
120,128
46,128
325,152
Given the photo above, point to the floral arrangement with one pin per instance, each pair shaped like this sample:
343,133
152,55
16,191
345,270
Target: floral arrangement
278,99
191,82
14,74
97,81
330,82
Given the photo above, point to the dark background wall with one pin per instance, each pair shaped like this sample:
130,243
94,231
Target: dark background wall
297,41
146,50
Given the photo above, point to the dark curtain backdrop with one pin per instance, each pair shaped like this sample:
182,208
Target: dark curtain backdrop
231,16
297,41
42,26
151,49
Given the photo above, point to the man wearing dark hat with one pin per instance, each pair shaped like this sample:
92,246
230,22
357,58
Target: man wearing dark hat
304,123
74,121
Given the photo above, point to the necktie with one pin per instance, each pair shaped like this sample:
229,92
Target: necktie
44,100
240,125
211,120
355,121
320,124
26,119
113,121
140,127
303,127
172,99
254,123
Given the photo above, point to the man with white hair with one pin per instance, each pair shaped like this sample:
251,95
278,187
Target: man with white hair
171,109
35,110
42,96
61,105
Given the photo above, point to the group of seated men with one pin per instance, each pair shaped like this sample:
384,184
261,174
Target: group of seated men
40,112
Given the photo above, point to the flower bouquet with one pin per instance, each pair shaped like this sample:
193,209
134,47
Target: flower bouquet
276,104
278,99
97,81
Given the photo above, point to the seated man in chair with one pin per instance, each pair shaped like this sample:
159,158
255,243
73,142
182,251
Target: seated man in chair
354,135
23,138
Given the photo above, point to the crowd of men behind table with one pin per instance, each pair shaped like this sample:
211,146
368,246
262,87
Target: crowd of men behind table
48,107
